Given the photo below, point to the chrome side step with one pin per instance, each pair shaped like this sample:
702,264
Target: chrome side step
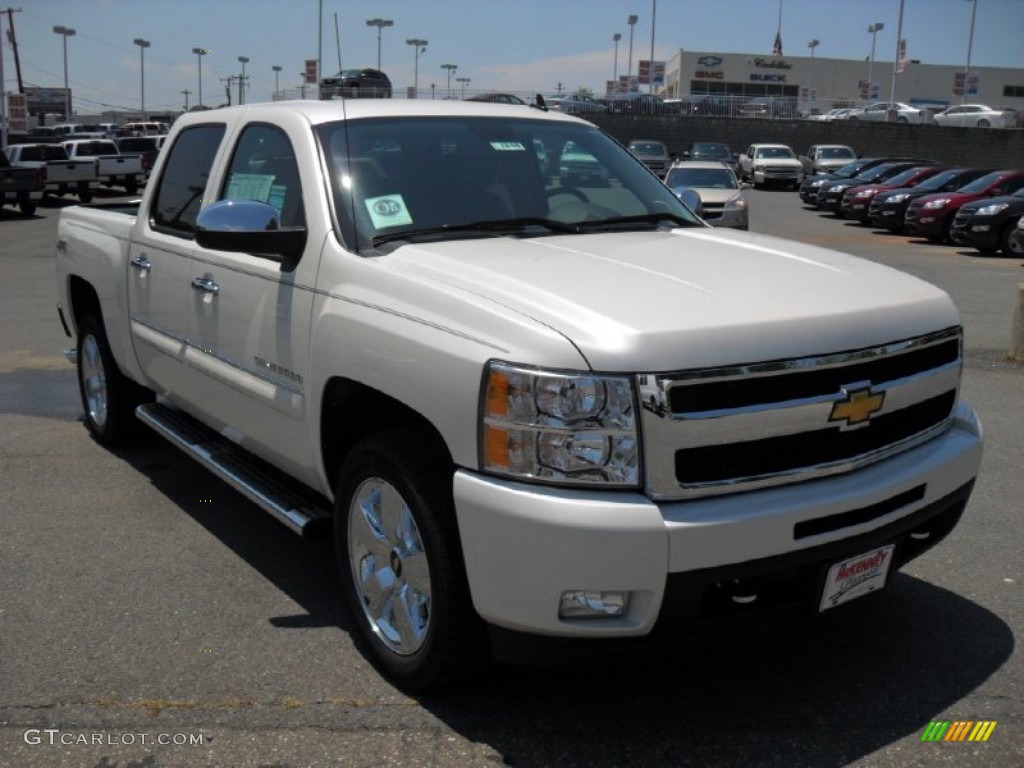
298,507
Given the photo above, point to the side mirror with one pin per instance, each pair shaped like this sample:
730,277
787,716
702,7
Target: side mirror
691,199
249,226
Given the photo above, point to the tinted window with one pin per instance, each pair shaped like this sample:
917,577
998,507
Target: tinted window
263,168
179,193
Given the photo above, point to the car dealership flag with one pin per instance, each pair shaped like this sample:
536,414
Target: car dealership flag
777,49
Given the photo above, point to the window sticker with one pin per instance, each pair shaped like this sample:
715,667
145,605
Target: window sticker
388,211
508,146
249,186
275,197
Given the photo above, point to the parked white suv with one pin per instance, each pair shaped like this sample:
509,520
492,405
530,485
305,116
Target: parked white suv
771,164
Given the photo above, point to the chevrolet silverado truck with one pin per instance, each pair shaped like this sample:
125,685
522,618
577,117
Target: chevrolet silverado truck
61,174
112,168
22,187
526,410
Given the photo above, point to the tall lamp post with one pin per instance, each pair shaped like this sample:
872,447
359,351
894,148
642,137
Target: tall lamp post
277,78
632,20
810,73
65,32
143,45
450,68
200,52
970,44
419,46
379,24
615,62
873,29
465,82
241,81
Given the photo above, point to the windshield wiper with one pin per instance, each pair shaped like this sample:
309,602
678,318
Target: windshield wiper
495,227
645,218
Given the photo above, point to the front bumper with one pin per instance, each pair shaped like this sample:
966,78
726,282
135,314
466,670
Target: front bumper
982,240
525,545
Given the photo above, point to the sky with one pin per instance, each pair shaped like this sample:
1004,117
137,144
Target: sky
517,45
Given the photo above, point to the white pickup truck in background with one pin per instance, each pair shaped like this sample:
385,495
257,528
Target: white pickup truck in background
527,407
62,175
112,168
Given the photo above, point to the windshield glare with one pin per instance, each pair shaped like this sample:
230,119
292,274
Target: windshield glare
418,175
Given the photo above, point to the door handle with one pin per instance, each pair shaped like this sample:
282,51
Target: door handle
205,284
141,262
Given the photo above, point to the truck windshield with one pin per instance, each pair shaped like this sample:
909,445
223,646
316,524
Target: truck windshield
429,178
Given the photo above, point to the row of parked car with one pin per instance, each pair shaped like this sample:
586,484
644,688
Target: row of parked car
981,208
80,166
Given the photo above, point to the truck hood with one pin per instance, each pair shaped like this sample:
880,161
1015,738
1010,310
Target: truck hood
687,298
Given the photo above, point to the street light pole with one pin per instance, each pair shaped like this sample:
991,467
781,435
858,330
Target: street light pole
419,46
874,29
143,45
450,68
379,24
632,20
200,52
277,78
65,32
615,62
970,45
896,58
465,82
810,73
650,72
241,81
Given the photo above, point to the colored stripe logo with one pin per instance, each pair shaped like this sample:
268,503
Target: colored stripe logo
958,730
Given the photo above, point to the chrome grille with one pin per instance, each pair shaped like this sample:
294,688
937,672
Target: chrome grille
723,430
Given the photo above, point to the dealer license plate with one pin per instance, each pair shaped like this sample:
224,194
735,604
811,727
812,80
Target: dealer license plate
856,577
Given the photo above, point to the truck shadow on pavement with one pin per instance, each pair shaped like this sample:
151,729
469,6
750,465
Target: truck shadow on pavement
815,692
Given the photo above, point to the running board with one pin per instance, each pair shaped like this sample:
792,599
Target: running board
298,507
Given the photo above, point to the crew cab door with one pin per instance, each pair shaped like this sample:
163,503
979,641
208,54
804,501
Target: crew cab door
251,314
159,263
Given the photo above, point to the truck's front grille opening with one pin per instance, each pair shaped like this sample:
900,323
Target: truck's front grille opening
776,455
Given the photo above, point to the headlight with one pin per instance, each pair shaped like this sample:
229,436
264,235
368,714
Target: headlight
992,210
559,427
840,188
896,198
866,193
932,205
818,183
737,203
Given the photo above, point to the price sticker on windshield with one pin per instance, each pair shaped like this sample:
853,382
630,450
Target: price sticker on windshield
388,211
508,146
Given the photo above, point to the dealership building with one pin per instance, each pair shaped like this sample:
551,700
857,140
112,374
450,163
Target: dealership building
819,84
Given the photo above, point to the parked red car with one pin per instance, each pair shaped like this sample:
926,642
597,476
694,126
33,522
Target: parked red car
931,216
857,200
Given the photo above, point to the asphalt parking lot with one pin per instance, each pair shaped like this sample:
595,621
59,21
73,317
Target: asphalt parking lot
152,617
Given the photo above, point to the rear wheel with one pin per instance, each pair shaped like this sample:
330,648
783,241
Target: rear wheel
400,561
1009,245
983,123
26,205
108,396
131,185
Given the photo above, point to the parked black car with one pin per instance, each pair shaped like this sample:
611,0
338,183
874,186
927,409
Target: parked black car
356,83
808,190
830,194
888,208
638,104
988,224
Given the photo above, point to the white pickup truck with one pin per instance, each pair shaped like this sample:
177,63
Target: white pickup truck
530,410
62,175
112,168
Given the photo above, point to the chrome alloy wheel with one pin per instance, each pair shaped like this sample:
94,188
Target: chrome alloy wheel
94,381
389,567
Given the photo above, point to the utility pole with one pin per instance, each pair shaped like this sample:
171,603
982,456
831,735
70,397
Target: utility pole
230,81
186,92
14,47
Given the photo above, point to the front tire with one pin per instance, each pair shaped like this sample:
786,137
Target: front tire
400,561
108,396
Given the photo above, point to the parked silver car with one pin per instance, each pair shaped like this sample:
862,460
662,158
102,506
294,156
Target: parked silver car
977,115
891,112
722,199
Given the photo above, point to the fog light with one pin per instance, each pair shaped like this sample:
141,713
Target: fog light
981,228
581,604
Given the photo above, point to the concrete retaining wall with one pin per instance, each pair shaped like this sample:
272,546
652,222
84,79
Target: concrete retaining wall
977,147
